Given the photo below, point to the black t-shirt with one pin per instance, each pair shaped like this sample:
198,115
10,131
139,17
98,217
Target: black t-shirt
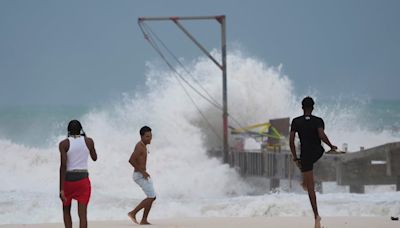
307,128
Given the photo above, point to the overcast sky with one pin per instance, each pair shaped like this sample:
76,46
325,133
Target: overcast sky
84,52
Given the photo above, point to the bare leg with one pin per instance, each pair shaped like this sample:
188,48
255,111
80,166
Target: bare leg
318,222
67,216
308,179
132,216
82,212
147,209
140,206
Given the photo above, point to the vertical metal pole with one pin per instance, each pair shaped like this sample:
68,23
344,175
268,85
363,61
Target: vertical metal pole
224,90
289,163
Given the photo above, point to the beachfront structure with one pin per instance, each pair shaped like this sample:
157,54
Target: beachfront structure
374,166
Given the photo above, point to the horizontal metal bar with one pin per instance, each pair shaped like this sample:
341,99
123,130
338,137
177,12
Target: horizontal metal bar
180,18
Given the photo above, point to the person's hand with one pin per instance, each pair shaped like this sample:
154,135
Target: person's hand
333,147
146,175
297,162
62,196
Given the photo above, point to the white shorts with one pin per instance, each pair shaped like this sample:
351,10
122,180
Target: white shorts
145,185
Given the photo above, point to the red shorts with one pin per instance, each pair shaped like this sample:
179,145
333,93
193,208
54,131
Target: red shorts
79,190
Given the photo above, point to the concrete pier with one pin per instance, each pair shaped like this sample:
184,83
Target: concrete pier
374,166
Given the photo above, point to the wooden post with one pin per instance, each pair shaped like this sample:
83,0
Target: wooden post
357,188
318,186
274,183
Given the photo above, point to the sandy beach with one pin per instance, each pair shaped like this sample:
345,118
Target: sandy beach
299,222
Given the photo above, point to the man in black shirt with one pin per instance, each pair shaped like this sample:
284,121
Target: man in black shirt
311,131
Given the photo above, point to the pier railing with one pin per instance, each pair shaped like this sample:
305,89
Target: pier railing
374,166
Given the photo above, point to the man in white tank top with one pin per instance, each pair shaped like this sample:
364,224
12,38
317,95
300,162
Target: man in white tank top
74,176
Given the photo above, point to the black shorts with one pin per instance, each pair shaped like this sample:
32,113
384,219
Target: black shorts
306,166
307,162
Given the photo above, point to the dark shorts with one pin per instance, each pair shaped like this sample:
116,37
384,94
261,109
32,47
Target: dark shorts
79,190
307,162
306,166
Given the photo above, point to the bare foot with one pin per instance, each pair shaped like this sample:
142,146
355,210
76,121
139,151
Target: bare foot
133,217
145,223
317,222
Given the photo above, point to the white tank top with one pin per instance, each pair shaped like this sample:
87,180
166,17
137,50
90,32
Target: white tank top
78,154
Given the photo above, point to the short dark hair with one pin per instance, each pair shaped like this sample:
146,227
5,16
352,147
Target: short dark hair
74,127
307,102
144,129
